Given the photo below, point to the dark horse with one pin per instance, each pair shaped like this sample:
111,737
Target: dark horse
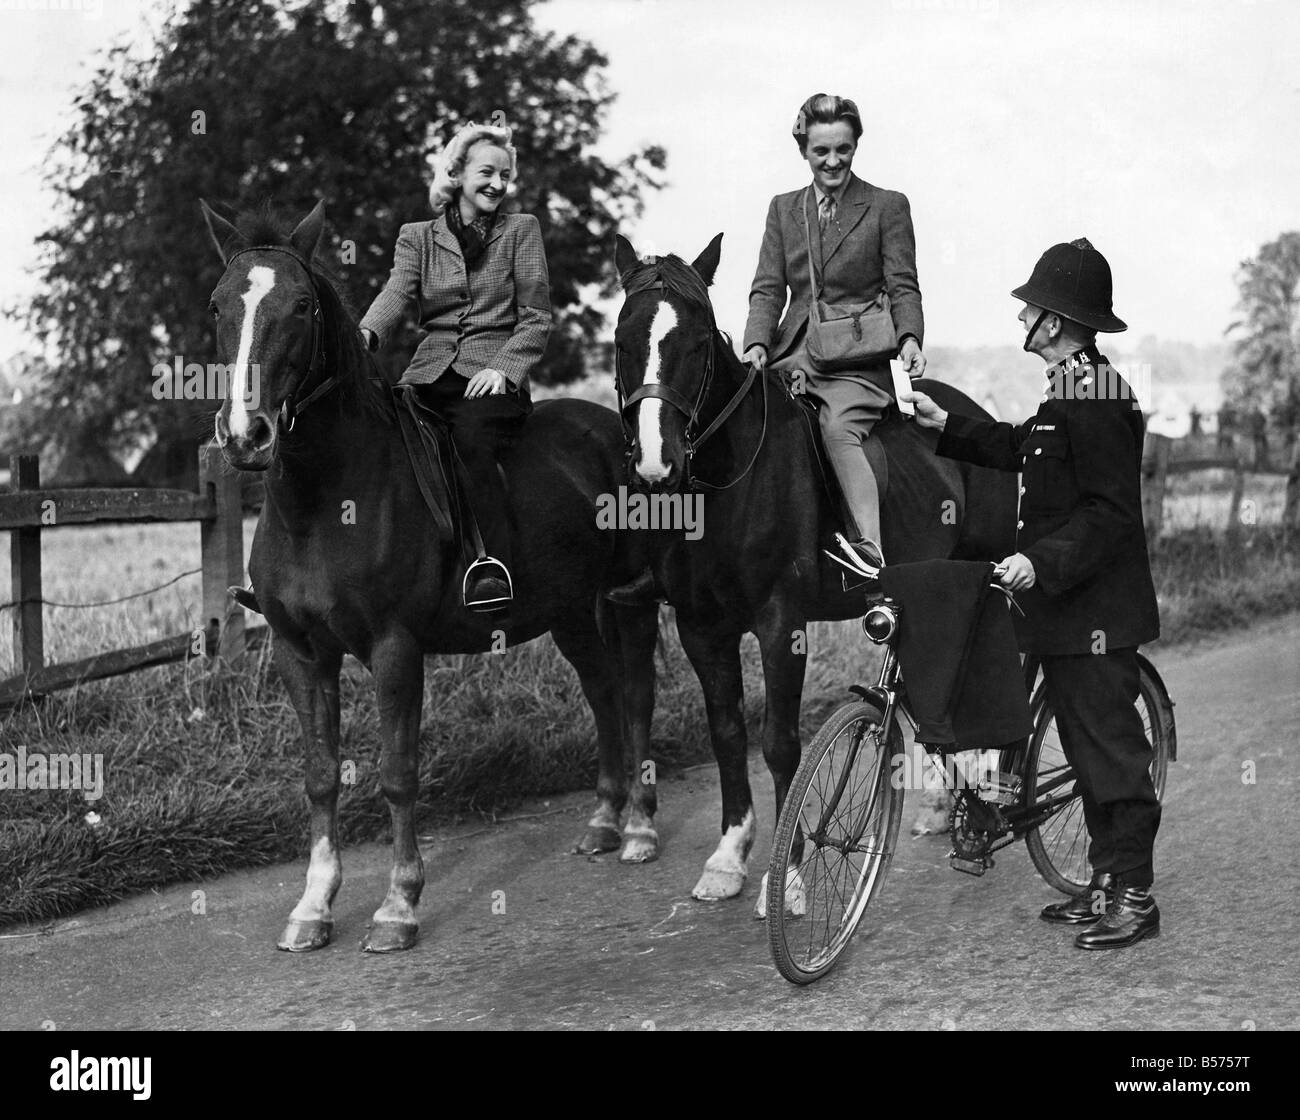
348,559
757,566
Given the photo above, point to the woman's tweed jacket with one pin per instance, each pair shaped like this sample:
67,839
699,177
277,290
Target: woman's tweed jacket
496,316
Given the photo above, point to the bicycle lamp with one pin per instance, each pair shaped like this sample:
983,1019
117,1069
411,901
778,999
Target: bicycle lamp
880,623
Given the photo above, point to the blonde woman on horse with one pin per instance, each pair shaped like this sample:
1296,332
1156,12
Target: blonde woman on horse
477,280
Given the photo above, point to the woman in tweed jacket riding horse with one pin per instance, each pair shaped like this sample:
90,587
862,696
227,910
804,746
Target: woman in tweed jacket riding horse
478,281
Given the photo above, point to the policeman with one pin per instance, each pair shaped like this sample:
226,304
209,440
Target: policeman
1082,574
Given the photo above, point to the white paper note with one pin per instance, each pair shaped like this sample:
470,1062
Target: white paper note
902,384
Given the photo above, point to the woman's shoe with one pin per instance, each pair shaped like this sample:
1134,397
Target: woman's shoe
487,585
638,592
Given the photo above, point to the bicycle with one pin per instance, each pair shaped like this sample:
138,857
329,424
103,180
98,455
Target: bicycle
839,825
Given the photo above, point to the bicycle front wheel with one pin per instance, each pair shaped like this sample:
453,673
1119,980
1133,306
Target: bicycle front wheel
1059,846
834,841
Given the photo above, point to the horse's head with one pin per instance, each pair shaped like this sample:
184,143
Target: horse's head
269,333
663,358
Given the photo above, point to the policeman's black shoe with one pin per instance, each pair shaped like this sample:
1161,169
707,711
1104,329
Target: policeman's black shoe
1131,916
487,586
245,598
1085,907
638,592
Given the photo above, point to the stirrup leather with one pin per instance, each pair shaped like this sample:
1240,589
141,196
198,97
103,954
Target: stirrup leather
486,566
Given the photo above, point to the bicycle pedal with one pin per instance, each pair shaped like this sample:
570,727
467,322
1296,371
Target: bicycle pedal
969,866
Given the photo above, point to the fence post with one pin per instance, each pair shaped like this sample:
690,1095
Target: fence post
222,550
1233,533
1291,508
1155,469
25,574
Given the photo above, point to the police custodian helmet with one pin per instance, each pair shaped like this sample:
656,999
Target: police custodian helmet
1073,280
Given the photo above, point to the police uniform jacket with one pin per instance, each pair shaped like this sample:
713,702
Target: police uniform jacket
1080,508
494,316
869,247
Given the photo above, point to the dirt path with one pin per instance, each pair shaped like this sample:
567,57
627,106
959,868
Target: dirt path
593,944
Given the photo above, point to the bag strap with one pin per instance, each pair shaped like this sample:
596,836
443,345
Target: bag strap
812,277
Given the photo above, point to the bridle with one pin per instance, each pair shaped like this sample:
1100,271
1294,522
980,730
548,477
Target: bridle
290,407
648,276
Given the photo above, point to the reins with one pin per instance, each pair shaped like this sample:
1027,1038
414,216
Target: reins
290,407
649,277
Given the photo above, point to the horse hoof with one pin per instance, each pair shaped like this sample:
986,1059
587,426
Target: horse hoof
641,847
716,885
390,937
303,937
796,897
597,839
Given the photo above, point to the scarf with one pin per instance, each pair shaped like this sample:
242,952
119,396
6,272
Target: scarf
472,238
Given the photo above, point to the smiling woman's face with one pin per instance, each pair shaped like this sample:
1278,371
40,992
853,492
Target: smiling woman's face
485,177
830,153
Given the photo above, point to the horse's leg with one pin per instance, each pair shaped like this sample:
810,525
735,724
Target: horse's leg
783,638
314,690
398,667
597,667
638,630
715,654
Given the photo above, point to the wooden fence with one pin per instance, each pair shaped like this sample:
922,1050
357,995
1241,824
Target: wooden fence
27,511
1159,462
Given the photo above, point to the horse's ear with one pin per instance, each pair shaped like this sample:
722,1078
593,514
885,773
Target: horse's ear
625,258
307,232
706,264
223,234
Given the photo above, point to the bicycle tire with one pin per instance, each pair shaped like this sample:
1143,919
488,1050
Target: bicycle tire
1059,846
824,802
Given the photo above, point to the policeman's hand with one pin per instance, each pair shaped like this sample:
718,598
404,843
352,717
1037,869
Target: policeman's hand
485,382
928,414
756,356
912,358
1016,572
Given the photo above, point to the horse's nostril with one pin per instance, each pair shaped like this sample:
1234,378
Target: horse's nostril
259,432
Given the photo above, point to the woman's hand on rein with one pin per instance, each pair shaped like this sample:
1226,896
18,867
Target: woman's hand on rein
485,383
756,356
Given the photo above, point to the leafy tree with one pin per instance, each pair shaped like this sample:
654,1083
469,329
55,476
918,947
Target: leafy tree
1265,373
243,102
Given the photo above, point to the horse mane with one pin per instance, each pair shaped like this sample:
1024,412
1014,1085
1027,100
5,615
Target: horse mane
360,384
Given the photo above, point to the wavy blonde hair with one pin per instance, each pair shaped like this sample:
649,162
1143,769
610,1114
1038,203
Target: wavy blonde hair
453,157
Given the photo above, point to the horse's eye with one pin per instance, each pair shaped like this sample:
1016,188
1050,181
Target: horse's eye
304,304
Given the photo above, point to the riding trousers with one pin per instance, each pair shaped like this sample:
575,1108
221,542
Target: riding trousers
484,429
848,408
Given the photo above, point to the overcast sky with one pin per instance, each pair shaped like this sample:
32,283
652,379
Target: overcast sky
1167,132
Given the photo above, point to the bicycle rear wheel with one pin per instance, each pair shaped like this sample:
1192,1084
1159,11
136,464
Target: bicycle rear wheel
834,841
1059,846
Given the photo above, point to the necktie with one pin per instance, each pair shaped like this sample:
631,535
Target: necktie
826,212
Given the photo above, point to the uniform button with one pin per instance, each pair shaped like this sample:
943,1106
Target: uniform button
1020,524
1038,450
1022,491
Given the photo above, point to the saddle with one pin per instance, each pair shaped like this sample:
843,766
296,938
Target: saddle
443,480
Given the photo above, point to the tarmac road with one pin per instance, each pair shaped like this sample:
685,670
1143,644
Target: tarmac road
589,943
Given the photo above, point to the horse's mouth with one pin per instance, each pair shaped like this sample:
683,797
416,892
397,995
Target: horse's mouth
248,458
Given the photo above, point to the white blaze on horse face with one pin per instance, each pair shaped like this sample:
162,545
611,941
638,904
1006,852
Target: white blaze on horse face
261,280
652,467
